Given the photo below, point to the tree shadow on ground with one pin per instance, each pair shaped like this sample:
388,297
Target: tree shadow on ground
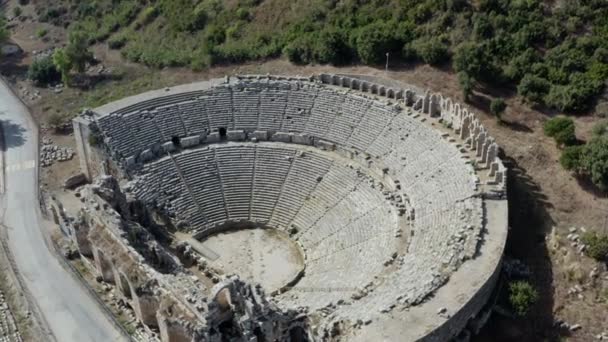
89,81
12,134
588,186
529,223
11,66
516,126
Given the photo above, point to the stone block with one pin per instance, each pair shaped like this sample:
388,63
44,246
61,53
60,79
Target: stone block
303,139
260,135
282,137
237,135
190,141
326,145
75,181
146,155
213,138
168,147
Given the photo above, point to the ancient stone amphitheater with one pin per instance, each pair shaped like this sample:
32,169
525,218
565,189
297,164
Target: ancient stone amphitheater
391,202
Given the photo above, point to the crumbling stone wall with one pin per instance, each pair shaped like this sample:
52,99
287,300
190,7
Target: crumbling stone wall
124,254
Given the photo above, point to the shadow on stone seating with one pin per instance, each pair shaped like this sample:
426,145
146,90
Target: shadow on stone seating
11,135
530,222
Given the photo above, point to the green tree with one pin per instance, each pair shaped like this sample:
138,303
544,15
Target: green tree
561,129
431,51
497,107
522,296
595,161
63,64
375,40
597,245
466,85
533,88
572,158
472,58
77,50
43,71
55,120
600,129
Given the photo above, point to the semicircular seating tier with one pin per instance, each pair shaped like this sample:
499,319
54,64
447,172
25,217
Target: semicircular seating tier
244,151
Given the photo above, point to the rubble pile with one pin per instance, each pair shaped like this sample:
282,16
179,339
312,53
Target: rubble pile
50,153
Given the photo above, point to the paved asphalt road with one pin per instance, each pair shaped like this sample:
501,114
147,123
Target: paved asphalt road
69,311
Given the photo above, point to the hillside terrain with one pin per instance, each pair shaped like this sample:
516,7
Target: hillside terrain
555,54
543,58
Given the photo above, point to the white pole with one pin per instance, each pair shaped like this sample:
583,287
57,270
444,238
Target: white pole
386,68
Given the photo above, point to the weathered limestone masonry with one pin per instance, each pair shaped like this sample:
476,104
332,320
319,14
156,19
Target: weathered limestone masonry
163,294
397,199
464,123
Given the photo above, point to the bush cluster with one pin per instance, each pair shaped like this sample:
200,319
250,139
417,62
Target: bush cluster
561,129
526,44
597,245
522,296
43,71
591,159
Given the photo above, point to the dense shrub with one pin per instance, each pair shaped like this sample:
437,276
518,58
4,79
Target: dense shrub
600,129
431,51
522,296
327,47
472,59
575,97
595,161
42,71
242,13
571,158
77,50
497,107
561,129
466,84
597,245
56,120
148,15
182,17
41,33
117,42
374,41
507,43
533,88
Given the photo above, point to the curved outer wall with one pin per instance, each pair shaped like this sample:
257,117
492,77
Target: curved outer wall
469,129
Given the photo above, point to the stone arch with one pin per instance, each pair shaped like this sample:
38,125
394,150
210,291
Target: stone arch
122,282
173,331
399,94
145,305
390,93
355,84
364,86
336,80
374,89
382,91
103,265
346,82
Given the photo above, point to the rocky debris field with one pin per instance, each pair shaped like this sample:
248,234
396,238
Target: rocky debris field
8,327
50,153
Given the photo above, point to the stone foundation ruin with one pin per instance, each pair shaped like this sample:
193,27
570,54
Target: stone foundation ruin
395,198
